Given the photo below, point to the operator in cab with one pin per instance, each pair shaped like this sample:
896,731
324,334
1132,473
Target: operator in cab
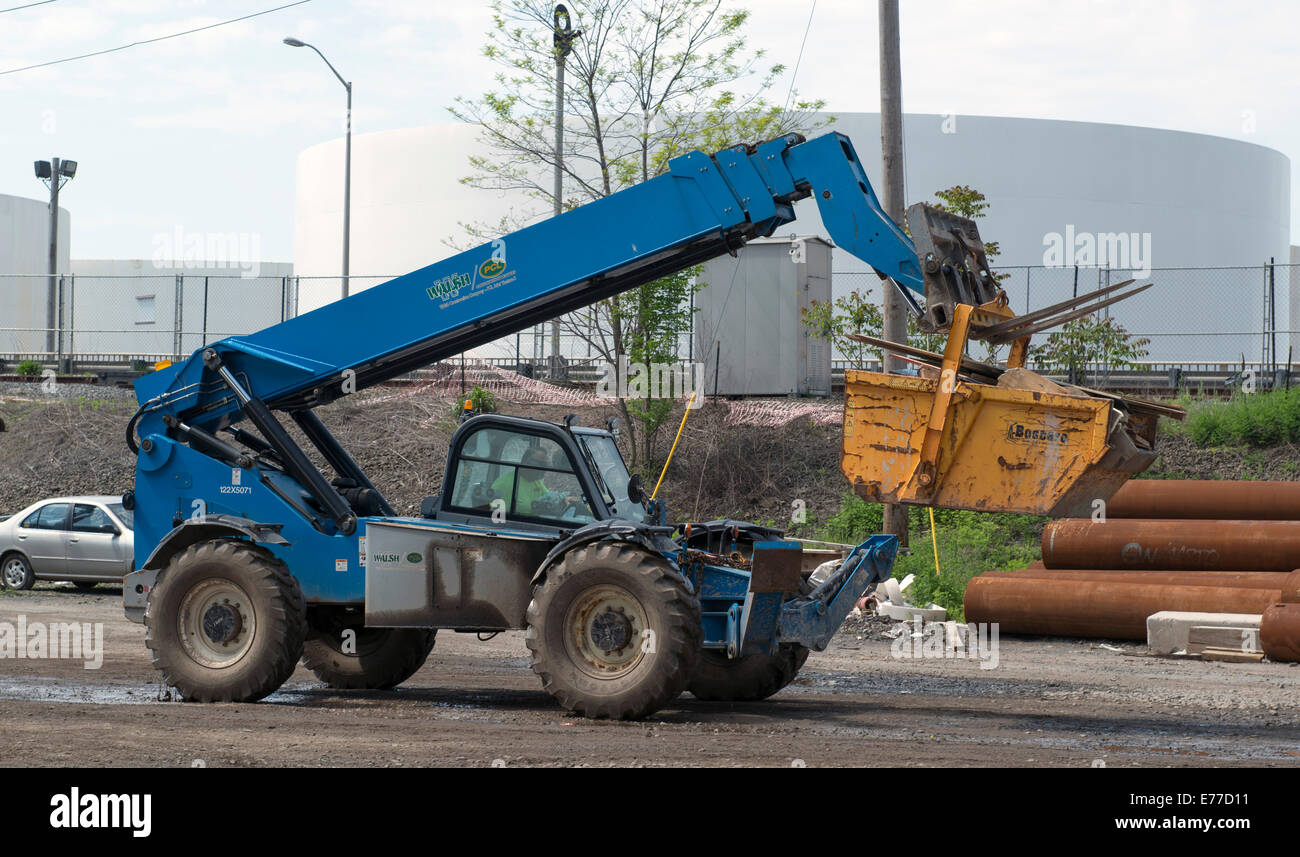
537,499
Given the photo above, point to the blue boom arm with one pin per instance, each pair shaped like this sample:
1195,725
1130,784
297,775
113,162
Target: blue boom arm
703,207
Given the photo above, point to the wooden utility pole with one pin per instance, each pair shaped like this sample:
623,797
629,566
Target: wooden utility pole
891,151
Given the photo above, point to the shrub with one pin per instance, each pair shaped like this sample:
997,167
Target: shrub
30,368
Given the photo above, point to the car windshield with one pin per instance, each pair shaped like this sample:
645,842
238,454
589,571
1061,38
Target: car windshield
125,515
612,472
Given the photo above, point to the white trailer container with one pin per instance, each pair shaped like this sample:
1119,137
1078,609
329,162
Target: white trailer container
749,333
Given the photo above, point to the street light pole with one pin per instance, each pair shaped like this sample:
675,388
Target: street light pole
52,290
563,37
56,172
347,162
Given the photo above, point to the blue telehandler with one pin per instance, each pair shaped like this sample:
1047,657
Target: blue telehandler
260,542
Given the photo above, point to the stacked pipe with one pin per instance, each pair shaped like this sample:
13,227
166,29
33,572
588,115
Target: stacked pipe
1196,546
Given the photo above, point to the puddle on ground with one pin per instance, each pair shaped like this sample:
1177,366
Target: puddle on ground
55,690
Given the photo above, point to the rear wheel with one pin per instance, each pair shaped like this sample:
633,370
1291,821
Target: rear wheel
226,622
352,657
16,572
748,678
614,631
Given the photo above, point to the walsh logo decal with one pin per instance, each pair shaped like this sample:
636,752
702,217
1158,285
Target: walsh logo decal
448,286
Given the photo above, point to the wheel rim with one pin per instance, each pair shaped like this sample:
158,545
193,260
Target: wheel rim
15,573
217,624
605,631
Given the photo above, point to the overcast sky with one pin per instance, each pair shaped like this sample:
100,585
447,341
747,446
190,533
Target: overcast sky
202,132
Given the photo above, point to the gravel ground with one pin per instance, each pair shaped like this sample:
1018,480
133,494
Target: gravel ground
20,389
1047,703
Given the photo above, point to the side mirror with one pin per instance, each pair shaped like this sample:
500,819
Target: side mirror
110,529
429,507
636,490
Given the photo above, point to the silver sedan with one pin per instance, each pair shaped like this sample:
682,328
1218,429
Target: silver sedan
86,540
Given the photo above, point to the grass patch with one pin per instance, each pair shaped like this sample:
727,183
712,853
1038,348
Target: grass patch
970,543
1247,419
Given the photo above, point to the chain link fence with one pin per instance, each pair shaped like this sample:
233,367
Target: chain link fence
123,319
1197,320
1192,317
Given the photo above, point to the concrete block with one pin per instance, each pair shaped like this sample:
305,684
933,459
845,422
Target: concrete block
890,590
1167,630
906,612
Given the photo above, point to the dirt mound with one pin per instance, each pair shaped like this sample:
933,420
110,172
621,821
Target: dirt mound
400,435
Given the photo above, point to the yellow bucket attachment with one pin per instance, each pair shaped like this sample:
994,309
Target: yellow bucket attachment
1022,444
998,449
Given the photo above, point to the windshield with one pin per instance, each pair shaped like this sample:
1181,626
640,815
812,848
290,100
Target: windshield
125,515
612,472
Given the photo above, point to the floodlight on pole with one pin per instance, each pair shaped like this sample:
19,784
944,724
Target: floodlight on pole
55,173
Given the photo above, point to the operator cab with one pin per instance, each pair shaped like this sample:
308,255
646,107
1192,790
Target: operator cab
534,475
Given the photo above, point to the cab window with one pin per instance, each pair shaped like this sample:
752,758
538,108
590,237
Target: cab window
525,476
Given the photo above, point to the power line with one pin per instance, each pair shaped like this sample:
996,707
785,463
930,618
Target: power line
795,74
151,41
27,6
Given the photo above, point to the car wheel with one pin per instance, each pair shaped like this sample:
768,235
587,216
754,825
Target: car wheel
16,572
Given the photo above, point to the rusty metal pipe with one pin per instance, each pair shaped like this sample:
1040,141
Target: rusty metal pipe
1279,632
1206,500
1275,580
1291,588
1025,605
1164,545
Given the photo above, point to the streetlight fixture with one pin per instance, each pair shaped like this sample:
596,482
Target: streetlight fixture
562,38
55,173
347,164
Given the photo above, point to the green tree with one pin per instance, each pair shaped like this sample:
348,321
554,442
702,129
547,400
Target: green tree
851,313
646,81
1088,340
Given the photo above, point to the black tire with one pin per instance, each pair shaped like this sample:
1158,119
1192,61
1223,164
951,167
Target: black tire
384,657
239,591
604,594
748,678
16,572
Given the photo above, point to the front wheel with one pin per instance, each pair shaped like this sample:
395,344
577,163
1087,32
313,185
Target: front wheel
614,631
16,572
226,622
